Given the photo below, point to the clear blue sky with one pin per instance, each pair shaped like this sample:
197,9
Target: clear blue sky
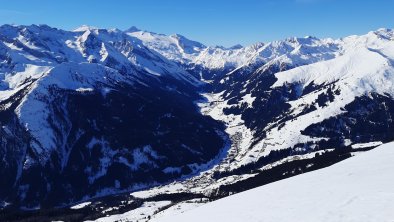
213,22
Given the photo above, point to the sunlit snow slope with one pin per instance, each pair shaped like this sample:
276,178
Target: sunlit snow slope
357,189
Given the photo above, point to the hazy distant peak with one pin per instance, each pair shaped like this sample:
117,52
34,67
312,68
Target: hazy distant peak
132,29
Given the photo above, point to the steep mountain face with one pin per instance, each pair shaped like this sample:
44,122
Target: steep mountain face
93,112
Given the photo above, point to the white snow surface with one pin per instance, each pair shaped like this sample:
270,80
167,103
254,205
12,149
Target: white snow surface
357,189
366,145
139,214
175,47
365,65
80,206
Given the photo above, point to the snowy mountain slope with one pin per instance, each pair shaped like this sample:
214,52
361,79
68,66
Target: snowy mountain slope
78,107
186,52
364,68
43,44
35,108
174,47
111,48
359,69
357,189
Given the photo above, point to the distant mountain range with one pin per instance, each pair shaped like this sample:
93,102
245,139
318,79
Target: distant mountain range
94,113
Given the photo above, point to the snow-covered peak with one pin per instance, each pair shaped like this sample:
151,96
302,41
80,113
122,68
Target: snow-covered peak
186,45
174,47
180,49
373,39
84,28
364,64
385,33
219,57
